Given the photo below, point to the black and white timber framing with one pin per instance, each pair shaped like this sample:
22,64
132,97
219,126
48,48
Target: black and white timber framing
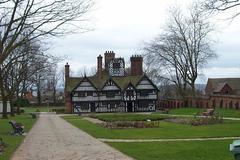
110,97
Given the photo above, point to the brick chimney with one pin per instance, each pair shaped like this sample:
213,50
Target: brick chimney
108,56
136,65
68,101
67,71
99,65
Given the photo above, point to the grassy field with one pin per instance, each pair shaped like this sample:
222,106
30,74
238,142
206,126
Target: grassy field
165,130
13,141
191,111
195,150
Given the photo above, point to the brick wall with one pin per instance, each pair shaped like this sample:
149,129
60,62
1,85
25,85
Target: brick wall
221,101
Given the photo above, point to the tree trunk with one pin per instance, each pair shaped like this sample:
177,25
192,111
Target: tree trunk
193,89
39,94
54,95
4,100
12,109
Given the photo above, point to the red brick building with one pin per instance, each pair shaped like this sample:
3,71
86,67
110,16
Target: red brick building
220,92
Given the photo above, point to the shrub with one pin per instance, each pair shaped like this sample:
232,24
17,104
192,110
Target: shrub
59,110
215,119
131,124
22,110
22,102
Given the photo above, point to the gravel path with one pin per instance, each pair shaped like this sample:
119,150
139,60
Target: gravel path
52,138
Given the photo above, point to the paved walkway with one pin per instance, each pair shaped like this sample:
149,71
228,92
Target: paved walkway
52,138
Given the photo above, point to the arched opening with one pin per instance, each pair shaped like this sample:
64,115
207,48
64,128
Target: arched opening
221,103
230,105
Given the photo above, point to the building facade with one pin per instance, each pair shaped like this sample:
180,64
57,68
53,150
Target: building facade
111,89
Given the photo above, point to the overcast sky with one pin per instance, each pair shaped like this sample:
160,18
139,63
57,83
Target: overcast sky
123,26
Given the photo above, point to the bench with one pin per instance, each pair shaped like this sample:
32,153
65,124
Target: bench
17,127
208,112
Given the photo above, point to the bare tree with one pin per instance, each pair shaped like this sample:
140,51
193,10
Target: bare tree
182,49
20,69
222,6
22,21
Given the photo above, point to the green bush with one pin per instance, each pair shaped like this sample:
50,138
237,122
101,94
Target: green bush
58,110
22,102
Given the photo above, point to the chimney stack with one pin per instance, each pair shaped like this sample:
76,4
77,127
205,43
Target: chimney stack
66,71
108,56
136,65
99,65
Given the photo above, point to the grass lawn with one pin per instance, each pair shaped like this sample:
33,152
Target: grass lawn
13,141
165,130
195,150
191,150
191,111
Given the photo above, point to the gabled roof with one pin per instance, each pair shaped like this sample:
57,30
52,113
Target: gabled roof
129,84
214,83
99,81
220,86
123,82
71,83
82,79
145,76
110,79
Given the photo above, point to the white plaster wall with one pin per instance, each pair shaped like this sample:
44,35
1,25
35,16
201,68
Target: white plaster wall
8,107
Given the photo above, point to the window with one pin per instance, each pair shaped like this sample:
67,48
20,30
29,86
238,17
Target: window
81,94
112,104
116,65
89,93
110,94
143,104
144,93
104,103
130,93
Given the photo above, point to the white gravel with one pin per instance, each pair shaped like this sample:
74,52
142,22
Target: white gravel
52,138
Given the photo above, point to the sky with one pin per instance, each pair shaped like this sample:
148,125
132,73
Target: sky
123,26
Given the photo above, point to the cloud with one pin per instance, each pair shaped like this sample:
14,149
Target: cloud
123,25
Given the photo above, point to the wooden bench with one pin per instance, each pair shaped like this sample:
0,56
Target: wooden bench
208,112
17,127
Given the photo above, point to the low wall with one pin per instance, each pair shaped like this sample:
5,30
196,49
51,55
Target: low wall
170,103
8,107
221,101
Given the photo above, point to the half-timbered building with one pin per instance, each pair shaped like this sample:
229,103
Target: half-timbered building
111,89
